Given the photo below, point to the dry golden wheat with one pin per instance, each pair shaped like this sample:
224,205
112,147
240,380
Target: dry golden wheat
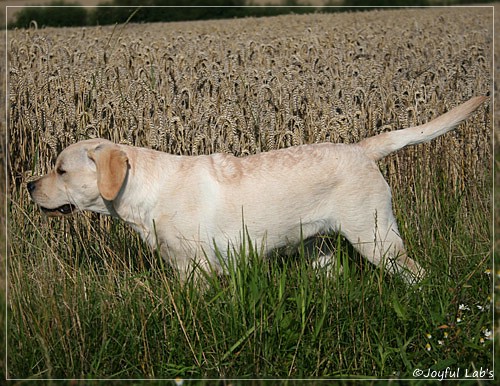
246,86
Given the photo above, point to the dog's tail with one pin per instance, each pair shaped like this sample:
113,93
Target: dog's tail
379,146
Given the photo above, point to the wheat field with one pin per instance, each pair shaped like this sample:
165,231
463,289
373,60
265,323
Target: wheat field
243,87
246,86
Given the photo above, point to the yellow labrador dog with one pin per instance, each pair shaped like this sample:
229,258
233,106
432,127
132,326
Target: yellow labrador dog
190,206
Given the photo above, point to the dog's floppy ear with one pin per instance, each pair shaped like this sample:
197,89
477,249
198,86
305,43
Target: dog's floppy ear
111,164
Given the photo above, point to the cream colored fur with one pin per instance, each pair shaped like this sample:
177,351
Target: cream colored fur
188,205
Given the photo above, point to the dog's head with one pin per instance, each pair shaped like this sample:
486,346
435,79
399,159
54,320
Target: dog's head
88,175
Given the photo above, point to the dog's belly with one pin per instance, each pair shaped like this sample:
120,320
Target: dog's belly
272,220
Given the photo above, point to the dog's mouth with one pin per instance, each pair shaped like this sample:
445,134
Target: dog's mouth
63,210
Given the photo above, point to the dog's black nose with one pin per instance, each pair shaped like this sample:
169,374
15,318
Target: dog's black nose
31,186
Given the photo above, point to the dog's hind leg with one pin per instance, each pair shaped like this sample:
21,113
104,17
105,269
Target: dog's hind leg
382,244
372,230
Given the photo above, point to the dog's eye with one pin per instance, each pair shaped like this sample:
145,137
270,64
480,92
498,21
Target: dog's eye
60,171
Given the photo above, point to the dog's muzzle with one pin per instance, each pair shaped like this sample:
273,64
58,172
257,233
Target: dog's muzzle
62,210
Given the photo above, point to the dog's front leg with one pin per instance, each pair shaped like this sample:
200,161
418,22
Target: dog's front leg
189,262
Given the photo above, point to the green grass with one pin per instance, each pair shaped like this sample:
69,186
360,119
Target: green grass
91,301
